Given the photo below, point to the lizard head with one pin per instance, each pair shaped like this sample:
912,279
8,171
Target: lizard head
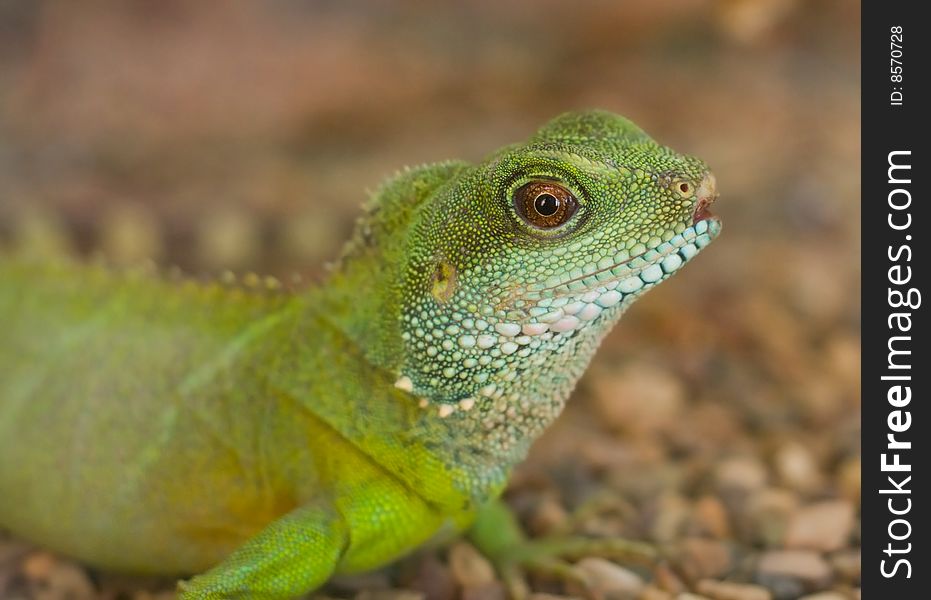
523,263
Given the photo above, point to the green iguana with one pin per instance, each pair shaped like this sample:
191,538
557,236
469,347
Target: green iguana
274,440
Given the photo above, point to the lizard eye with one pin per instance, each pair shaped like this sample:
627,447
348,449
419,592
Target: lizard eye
544,204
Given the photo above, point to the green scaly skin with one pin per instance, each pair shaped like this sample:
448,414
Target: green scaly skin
273,440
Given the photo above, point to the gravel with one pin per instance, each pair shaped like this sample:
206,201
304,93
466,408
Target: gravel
720,420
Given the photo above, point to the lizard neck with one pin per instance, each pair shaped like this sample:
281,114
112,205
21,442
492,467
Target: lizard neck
363,294
496,413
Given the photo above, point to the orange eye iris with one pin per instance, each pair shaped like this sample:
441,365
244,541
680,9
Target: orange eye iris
544,204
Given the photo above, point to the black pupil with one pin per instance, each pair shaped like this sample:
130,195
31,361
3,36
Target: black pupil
546,204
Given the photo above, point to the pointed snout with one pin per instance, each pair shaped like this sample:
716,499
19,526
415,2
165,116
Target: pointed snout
706,194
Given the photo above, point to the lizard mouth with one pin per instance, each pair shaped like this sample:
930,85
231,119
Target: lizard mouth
701,211
567,305
649,266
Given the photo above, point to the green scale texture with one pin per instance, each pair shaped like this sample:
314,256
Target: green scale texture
276,439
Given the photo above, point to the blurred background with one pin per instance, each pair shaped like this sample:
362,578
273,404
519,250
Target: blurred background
721,416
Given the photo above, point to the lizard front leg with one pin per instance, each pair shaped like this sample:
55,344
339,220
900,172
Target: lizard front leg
290,557
358,526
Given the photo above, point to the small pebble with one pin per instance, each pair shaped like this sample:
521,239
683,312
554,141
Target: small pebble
767,514
130,234
357,582
667,580
740,473
50,578
548,516
703,558
849,479
710,517
725,590
654,593
492,590
469,567
824,526
672,512
606,578
40,232
231,238
433,578
789,573
796,467
640,397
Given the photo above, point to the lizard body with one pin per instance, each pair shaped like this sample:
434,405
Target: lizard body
277,439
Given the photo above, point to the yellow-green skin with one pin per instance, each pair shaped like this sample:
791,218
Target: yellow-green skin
273,440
